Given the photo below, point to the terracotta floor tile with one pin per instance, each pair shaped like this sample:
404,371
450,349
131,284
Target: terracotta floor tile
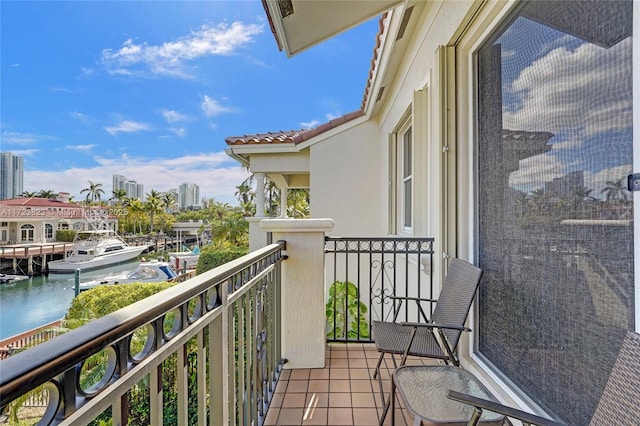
339,363
317,416
320,399
363,400
319,373
339,386
277,399
300,374
294,400
272,416
340,400
343,393
340,416
365,416
318,386
290,416
297,386
359,374
361,386
339,374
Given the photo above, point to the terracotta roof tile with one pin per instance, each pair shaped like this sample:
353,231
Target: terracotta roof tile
298,136
36,202
291,136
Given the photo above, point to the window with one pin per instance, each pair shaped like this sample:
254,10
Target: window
555,225
401,183
27,232
48,231
407,178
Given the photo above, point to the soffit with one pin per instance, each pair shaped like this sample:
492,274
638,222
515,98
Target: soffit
299,24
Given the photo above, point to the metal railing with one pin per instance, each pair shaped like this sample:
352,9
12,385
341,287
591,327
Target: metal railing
363,273
208,347
29,338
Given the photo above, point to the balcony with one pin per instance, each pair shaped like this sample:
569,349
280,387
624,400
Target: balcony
245,343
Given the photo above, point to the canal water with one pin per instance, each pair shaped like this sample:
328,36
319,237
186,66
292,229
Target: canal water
42,299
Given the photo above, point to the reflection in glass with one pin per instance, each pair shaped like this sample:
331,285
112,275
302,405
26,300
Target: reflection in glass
555,218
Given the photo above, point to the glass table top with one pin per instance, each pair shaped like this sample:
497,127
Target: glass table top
424,388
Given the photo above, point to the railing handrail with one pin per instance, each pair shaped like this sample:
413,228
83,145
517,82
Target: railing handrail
25,370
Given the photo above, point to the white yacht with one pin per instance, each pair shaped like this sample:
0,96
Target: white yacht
146,272
96,249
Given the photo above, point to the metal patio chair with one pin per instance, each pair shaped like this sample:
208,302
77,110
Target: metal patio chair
619,403
438,336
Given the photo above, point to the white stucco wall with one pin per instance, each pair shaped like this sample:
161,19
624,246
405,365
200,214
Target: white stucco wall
344,176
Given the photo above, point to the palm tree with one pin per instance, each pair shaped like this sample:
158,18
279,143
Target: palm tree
94,191
152,206
233,229
615,191
28,194
47,193
298,203
168,201
135,209
119,194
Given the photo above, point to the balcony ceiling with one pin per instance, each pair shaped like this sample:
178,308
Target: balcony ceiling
300,24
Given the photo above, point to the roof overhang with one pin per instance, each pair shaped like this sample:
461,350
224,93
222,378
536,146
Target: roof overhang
299,24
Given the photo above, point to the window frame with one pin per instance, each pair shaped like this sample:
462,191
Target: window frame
400,182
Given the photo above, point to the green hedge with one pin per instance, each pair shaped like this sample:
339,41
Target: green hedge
212,258
103,300
65,235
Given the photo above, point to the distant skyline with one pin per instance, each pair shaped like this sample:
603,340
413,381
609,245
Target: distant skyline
151,89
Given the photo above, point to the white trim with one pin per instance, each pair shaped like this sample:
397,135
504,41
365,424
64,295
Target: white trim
636,155
297,225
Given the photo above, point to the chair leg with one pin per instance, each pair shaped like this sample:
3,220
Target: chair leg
377,370
389,405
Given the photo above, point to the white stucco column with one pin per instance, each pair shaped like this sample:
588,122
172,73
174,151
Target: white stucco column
283,202
257,235
303,289
259,194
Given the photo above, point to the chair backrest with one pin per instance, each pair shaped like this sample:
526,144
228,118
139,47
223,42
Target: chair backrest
455,299
620,400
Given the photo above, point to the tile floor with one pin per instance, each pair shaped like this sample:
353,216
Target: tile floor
342,393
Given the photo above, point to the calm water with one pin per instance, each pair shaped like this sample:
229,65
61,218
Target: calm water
40,300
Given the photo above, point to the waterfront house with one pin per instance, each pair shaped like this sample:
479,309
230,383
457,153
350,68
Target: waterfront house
502,130
35,219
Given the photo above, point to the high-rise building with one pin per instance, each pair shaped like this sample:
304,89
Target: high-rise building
11,175
133,188
188,195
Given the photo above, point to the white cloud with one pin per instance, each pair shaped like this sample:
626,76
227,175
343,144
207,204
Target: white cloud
216,174
169,58
127,126
565,89
534,171
81,147
25,152
80,116
179,132
18,138
212,107
309,124
173,116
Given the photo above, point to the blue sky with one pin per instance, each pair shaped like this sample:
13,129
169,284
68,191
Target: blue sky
150,89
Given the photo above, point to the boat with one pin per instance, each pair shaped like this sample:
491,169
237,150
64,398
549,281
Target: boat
145,272
10,278
185,259
96,249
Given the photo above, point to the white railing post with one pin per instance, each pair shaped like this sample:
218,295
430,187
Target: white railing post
303,289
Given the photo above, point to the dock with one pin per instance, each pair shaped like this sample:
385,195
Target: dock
32,253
